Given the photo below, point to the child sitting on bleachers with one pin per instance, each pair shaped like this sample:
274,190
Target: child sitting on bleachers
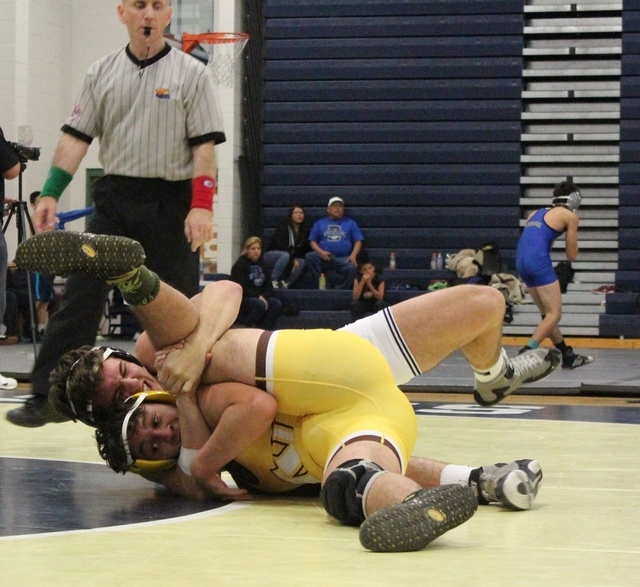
368,291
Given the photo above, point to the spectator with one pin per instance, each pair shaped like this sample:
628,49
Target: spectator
42,287
17,305
533,263
9,169
368,292
258,308
154,110
336,241
287,248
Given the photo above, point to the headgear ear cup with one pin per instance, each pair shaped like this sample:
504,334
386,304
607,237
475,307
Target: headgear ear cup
140,466
573,201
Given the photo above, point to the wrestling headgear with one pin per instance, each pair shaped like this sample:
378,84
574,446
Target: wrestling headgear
140,466
572,201
79,401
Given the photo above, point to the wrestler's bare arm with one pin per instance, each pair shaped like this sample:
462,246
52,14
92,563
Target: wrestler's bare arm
238,415
181,370
235,417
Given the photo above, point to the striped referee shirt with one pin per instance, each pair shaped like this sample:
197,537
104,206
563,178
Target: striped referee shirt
147,114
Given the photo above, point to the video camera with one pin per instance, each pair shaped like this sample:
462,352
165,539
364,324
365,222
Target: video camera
25,153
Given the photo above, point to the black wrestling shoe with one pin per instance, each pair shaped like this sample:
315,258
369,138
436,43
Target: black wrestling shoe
422,517
571,361
62,252
36,412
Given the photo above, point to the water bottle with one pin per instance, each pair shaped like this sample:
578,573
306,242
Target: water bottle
322,282
392,260
434,260
439,264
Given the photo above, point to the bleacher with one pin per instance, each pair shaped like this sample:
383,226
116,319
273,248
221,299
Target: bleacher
442,124
359,103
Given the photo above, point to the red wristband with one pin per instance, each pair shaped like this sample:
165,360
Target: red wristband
202,189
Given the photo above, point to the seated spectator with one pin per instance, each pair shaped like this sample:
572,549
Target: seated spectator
258,307
287,248
336,241
368,292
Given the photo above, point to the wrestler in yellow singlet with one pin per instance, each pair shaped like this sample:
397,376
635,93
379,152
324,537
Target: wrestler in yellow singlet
331,387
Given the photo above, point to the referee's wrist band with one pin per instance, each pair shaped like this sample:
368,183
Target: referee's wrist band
202,189
57,181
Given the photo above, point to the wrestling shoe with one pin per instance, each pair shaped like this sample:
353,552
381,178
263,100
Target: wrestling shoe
422,517
570,360
526,367
62,252
514,485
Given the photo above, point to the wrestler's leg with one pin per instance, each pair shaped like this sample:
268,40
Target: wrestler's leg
514,485
364,480
417,334
464,317
167,316
548,299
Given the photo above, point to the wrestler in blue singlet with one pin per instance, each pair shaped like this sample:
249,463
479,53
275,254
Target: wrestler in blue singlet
533,255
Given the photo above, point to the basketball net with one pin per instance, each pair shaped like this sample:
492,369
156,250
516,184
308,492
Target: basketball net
223,49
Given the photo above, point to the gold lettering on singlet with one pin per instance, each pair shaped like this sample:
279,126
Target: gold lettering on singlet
288,465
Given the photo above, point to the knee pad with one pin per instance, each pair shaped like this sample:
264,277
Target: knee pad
343,493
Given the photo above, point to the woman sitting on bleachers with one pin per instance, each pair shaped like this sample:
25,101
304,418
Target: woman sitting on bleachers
287,248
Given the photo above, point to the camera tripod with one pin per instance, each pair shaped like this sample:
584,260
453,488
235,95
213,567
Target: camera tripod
19,209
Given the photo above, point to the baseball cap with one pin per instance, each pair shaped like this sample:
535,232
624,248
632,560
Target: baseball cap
335,200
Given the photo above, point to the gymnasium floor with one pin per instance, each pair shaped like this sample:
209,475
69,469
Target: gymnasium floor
66,520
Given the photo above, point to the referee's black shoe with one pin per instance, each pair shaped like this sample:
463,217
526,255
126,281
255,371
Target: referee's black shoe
36,412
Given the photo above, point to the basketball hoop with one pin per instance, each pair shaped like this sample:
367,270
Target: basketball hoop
223,50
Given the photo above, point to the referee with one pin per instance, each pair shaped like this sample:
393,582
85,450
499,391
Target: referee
154,111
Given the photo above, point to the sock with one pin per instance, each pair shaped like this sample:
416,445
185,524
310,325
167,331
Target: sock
563,348
493,372
138,286
531,344
458,474
474,482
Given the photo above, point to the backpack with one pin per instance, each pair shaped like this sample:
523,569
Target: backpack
490,260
